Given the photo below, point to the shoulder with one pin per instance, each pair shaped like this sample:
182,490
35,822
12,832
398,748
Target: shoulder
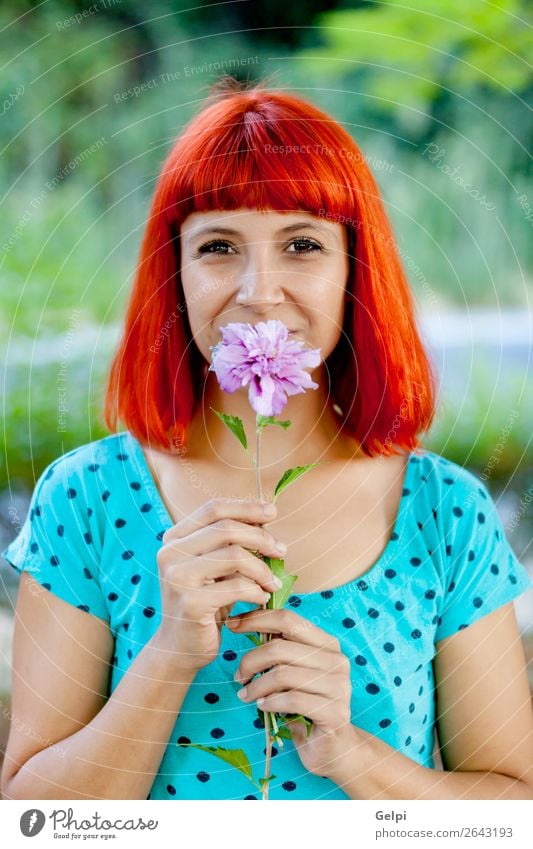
454,486
80,465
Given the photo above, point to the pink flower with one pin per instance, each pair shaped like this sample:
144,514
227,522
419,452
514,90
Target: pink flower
266,360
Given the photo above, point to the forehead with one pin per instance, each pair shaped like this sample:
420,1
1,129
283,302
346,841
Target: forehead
240,220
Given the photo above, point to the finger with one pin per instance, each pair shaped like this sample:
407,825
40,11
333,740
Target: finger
214,510
227,532
279,651
319,682
227,592
316,708
289,624
228,561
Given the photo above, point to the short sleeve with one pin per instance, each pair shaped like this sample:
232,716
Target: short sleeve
55,544
483,572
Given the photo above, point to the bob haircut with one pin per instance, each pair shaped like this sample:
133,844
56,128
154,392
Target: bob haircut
254,147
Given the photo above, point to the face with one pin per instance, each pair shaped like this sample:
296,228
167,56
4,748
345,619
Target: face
249,266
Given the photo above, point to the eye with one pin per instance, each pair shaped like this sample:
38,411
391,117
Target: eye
212,244
307,243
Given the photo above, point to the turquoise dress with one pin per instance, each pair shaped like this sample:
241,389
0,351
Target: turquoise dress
91,537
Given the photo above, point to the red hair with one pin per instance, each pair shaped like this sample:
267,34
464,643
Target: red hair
233,154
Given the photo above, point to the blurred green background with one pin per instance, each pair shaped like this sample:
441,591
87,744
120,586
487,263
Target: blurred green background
92,96
438,95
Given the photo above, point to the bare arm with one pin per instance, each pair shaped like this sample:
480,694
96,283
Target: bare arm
117,754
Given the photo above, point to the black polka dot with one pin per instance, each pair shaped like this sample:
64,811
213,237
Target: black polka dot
34,547
37,510
457,511
105,495
87,573
135,579
145,508
71,493
258,723
390,573
494,569
327,593
421,749
127,555
289,786
87,537
93,467
112,596
122,457
448,550
394,536
372,689
89,512
406,491
160,535
373,613
274,751
420,690
119,523
182,740
415,561
84,607
451,587
348,623
217,733
130,654
399,605
360,660
407,741
411,708
477,602
211,698
54,560
416,634
295,601
362,585
203,776
135,485
126,626
47,586
229,655
251,796
462,627
171,789
448,481
49,474
149,612
60,530
389,647
397,680
384,723
471,556
481,518
513,579
429,594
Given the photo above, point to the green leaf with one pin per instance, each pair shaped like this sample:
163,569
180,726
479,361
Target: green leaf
299,718
279,597
235,425
254,639
284,732
263,421
235,757
291,475
263,781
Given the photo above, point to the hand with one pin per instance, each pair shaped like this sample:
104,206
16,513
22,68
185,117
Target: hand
308,674
204,568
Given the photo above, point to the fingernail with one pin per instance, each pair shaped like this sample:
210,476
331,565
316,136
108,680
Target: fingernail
277,583
242,693
234,622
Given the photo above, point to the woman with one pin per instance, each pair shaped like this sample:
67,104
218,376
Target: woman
401,623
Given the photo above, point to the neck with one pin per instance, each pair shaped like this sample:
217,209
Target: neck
313,435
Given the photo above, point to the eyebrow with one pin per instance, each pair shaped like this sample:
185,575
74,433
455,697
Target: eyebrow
230,231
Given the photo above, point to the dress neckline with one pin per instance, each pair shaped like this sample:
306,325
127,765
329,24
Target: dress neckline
371,573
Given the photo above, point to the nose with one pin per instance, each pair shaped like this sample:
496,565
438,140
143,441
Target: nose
259,288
